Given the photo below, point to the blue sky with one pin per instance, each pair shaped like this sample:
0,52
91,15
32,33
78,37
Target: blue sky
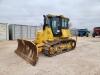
82,13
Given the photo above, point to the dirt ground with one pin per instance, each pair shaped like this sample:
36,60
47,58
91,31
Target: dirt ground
84,60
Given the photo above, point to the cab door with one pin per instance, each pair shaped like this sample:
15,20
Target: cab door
55,26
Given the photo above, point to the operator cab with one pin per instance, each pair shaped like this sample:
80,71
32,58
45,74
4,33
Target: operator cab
56,23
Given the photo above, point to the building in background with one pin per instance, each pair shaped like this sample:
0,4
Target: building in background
17,31
4,33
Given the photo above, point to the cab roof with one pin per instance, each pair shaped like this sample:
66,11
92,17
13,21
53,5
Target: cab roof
61,16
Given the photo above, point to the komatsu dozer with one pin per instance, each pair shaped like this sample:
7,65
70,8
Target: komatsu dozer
54,39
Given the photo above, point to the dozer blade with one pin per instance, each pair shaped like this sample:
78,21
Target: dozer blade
28,51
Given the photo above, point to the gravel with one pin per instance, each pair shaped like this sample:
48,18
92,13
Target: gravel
84,60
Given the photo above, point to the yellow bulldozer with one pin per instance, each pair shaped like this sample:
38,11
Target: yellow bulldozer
54,39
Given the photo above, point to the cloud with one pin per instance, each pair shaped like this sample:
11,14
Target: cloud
82,13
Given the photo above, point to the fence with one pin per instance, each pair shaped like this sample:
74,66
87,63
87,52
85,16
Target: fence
4,34
22,31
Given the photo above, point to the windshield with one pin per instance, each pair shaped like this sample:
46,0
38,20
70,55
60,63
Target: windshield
55,25
64,23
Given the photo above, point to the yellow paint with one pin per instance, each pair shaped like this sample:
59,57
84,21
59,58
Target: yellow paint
66,33
48,35
44,36
69,46
40,47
